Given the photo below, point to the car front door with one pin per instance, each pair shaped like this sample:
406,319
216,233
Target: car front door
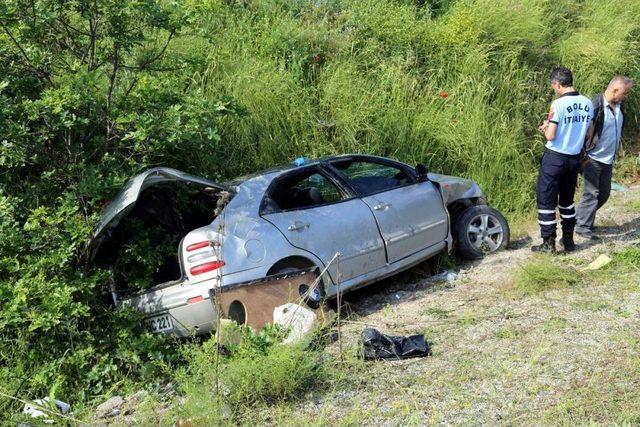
410,214
317,215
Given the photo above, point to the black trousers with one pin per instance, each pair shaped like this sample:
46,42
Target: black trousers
556,188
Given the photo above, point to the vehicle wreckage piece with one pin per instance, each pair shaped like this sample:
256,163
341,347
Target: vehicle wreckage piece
253,303
298,320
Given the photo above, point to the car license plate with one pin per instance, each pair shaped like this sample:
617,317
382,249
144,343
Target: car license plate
161,323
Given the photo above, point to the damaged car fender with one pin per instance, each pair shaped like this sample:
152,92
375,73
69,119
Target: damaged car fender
455,188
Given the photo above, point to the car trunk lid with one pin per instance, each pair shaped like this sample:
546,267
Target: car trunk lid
126,199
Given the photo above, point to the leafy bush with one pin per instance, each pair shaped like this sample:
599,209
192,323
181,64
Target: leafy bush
91,92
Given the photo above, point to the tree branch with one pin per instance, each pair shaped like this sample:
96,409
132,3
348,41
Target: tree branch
112,84
24,54
157,56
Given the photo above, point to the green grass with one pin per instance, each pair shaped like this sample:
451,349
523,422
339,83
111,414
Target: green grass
629,257
627,169
508,332
555,324
543,273
438,313
367,76
608,396
258,380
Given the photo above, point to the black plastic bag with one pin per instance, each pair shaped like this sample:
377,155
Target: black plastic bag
376,345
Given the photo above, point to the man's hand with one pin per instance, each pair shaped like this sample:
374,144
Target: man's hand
543,127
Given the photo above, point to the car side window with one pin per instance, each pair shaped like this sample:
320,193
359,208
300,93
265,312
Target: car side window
304,190
369,178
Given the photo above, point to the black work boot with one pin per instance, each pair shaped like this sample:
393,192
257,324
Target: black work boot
548,246
567,241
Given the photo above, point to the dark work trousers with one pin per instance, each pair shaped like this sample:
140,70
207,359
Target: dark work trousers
556,188
596,187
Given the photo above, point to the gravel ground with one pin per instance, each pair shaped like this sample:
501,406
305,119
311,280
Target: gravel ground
499,357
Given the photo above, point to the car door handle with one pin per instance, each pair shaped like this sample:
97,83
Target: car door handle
382,206
298,225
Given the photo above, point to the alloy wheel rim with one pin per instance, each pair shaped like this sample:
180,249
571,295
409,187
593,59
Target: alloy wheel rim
485,233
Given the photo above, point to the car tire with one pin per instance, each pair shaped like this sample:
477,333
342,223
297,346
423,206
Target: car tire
317,297
480,230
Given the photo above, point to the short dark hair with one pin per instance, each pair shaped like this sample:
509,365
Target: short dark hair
562,75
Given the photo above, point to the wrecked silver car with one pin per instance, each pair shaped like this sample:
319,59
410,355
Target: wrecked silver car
381,215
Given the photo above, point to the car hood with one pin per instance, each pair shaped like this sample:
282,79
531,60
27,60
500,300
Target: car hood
454,188
126,199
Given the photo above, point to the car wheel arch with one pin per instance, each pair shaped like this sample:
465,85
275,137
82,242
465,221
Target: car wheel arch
458,206
291,262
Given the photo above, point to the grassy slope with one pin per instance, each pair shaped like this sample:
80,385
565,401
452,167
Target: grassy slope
367,76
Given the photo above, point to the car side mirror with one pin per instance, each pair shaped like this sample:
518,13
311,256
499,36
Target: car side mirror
423,171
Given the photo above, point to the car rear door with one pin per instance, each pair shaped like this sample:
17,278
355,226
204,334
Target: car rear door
315,214
410,214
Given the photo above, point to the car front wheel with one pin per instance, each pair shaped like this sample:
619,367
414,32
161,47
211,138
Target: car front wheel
480,230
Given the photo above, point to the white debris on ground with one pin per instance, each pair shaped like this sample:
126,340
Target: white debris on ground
298,319
35,410
598,263
445,276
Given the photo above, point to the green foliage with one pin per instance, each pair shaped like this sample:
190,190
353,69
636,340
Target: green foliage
257,371
91,93
284,372
367,76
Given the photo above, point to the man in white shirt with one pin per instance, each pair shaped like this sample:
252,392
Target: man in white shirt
601,150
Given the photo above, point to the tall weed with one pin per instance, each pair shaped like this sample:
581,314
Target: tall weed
463,89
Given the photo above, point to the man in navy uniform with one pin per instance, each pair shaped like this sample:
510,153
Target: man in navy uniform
601,150
566,127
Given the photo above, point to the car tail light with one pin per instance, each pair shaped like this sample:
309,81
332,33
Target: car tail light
198,245
194,300
206,267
